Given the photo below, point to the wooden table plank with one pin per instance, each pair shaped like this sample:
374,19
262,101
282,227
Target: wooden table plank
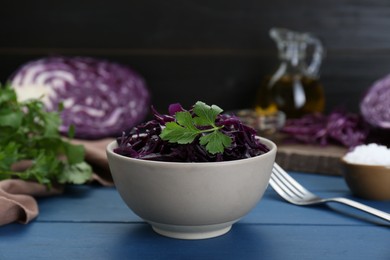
244,241
92,222
86,204
102,204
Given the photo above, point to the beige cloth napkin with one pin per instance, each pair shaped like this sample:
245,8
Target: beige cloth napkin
17,197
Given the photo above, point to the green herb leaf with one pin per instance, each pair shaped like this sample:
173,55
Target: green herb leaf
215,142
74,153
71,131
7,96
75,173
187,128
185,119
175,133
11,118
206,114
8,156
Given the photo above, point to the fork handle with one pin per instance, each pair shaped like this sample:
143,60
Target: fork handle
362,207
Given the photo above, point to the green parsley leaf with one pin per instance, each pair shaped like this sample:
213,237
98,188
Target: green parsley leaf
71,131
185,119
206,114
74,153
75,173
215,142
186,128
7,96
175,133
8,156
10,117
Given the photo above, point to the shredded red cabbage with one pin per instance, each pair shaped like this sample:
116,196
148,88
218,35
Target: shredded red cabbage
143,141
338,127
100,98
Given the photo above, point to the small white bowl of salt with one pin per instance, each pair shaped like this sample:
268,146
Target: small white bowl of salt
367,171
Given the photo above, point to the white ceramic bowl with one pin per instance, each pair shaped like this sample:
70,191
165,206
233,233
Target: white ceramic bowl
191,200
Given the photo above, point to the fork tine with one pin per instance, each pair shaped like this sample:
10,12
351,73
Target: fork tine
281,189
280,185
285,186
293,185
295,193
281,182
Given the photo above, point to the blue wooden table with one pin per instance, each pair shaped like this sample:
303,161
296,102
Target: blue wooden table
92,222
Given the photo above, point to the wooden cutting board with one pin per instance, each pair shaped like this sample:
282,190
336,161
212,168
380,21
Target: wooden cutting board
311,158
292,156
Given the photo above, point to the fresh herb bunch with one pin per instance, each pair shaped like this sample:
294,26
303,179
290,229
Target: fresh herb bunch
28,132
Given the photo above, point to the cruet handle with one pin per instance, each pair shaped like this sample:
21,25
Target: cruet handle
318,52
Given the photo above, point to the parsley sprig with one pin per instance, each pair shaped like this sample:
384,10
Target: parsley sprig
186,128
28,132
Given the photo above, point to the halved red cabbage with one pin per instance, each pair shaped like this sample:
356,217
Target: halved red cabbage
100,98
375,105
143,141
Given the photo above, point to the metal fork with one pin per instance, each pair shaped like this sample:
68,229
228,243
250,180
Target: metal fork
295,193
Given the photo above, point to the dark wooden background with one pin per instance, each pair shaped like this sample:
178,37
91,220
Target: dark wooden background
215,51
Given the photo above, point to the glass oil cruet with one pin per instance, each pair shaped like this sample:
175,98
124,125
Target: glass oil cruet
294,88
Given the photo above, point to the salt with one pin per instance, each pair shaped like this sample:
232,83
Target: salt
371,154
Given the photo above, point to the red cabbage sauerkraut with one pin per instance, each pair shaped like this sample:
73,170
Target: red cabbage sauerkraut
143,141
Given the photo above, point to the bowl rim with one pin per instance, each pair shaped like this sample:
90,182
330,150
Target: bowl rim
270,144
343,161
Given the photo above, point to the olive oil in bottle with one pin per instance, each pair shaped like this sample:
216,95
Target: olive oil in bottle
295,95
294,88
